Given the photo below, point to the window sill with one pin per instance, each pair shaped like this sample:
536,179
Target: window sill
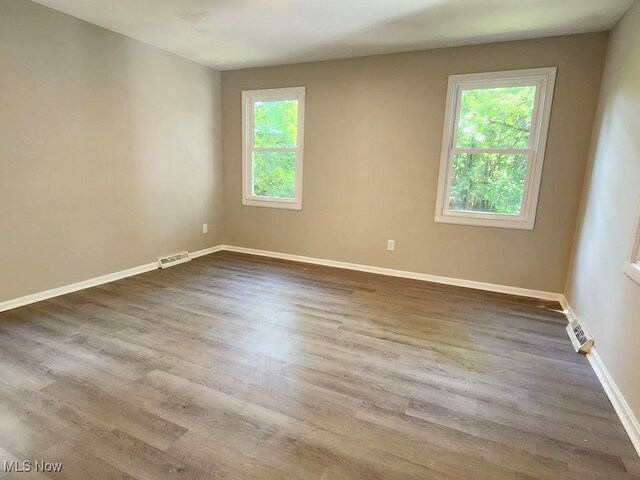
272,204
486,222
633,271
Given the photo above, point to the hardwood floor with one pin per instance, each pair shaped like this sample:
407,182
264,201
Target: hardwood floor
239,367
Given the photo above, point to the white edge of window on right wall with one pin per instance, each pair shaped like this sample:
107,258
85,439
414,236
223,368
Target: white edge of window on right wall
632,265
544,80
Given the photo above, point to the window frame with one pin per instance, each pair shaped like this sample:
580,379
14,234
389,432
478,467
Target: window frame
249,98
632,264
544,79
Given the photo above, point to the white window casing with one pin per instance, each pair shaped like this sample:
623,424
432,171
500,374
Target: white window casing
249,98
632,265
544,81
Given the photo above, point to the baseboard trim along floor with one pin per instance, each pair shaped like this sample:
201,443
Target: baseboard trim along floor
112,277
458,282
627,417
620,405
92,282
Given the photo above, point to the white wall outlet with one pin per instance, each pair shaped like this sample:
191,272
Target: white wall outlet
205,228
391,245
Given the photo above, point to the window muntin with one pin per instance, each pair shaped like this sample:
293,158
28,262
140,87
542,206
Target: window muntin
493,148
273,125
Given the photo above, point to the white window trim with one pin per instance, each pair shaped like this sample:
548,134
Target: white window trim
632,265
544,78
249,97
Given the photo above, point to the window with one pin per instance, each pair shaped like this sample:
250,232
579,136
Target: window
493,148
632,265
272,134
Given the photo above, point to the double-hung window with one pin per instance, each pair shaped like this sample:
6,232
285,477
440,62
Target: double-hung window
493,148
273,136
632,265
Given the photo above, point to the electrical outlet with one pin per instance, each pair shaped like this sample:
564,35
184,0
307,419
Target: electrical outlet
391,245
205,228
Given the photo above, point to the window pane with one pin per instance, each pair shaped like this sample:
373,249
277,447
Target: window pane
496,117
276,124
274,174
488,182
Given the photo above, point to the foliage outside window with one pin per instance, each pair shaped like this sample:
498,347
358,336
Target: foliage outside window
493,148
273,136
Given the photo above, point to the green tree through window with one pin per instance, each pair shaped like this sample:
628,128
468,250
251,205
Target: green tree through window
275,127
491,181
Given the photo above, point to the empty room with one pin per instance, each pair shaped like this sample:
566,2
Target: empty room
320,240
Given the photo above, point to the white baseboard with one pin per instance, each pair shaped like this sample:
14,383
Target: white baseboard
491,287
566,309
92,282
74,287
207,251
111,277
628,419
620,405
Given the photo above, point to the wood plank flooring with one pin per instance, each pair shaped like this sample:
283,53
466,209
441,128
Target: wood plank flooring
241,367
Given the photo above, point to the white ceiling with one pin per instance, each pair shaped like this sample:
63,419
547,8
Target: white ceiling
229,34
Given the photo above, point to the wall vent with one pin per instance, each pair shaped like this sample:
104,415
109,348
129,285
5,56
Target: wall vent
170,261
580,337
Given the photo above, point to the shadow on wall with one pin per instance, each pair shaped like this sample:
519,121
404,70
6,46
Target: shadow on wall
155,175
608,209
107,151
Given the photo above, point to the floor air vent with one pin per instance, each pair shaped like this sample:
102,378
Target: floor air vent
170,261
581,339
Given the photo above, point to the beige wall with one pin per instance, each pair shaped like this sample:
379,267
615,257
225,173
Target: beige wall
597,289
372,150
109,157
108,151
